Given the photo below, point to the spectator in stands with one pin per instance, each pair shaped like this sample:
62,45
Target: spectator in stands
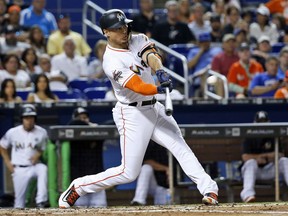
95,69
240,36
247,16
13,19
259,156
8,92
262,51
73,65
278,6
218,8
184,11
37,40
199,58
11,65
19,3
222,62
154,176
57,79
263,26
171,31
266,84
216,29
283,38
282,93
233,16
30,61
198,25
280,23
42,92
56,39
283,62
145,21
86,159
37,15
242,71
9,43
3,9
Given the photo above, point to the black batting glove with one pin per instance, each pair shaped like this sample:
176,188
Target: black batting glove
162,88
162,76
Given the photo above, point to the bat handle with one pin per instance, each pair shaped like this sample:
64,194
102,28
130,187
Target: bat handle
168,103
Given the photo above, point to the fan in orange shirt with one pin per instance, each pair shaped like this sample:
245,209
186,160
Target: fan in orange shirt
282,93
278,6
242,71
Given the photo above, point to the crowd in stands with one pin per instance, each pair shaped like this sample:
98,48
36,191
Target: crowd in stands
234,40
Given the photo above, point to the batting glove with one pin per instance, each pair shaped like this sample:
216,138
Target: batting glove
162,88
162,76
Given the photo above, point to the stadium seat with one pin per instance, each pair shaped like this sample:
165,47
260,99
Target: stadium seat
83,83
74,94
23,93
276,48
95,93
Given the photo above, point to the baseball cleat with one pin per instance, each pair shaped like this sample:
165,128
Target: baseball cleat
210,199
250,199
68,197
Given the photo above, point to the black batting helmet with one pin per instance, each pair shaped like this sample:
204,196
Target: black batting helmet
261,116
28,110
113,19
78,111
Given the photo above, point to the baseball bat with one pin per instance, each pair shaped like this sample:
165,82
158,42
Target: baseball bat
168,103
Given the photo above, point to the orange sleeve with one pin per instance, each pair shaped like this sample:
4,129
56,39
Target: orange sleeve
275,6
260,68
279,95
137,85
232,74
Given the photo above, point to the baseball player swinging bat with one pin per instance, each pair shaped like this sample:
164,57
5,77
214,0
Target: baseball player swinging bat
168,103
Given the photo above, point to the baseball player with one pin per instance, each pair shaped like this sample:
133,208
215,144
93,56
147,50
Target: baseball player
27,142
81,161
128,62
258,157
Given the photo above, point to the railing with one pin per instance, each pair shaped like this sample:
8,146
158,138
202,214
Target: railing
89,6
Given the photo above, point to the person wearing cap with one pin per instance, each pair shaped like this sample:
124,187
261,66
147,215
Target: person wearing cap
263,26
199,25
171,30
266,84
69,62
27,142
216,28
56,39
242,71
240,36
199,57
262,51
36,14
283,62
282,93
258,161
86,158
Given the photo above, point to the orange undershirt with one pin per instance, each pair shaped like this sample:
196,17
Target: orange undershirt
137,85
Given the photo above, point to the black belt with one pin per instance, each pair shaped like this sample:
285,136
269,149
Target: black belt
22,166
144,103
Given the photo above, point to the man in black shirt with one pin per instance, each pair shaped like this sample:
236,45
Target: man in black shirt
171,31
258,157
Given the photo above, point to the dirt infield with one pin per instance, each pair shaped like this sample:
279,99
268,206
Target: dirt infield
261,209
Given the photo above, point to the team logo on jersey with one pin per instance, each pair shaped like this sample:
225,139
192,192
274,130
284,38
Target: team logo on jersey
117,75
120,17
136,69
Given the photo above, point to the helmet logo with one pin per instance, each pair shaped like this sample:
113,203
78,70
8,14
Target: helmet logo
120,17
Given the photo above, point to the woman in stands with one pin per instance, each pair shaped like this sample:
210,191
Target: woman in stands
42,92
8,92
37,40
30,59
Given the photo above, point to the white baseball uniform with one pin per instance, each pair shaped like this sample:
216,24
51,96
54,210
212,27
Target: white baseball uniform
138,124
24,145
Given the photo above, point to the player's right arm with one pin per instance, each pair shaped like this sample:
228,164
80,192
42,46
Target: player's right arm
6,159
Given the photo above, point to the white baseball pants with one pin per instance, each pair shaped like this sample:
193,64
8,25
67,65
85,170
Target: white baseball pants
21,178
147,184
136,126
250,172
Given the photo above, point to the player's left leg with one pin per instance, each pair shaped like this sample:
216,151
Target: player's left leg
41,172
167,133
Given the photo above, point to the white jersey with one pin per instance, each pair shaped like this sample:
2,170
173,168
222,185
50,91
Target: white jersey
24,144
121,64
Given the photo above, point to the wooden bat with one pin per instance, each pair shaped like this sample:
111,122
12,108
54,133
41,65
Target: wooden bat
168,103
